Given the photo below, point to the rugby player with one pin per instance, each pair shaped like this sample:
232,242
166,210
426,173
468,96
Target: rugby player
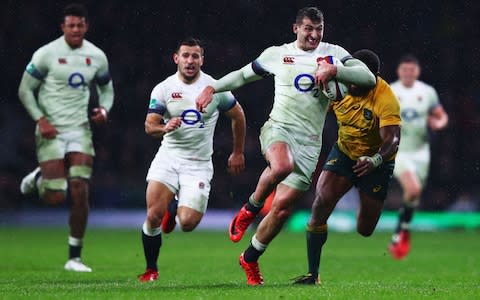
291,138
62,72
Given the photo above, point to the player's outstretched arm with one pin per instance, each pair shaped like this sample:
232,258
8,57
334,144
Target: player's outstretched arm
155,127
229,82
236,161
355,72
390,140
438,118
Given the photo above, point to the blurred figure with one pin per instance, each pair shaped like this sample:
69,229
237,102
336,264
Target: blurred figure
62,71
420,110
183,164
364,156
291,139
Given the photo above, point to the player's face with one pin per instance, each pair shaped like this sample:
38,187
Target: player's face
74,29
189,60
408,73
309,34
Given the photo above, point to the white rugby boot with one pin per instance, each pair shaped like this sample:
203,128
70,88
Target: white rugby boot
76,265
29,182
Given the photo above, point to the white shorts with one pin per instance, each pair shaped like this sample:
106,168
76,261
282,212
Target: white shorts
417,162
188,179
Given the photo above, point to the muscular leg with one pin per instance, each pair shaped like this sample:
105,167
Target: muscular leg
412,190
330,188
370,210
189,218
282,207
158,198
280,165
52,170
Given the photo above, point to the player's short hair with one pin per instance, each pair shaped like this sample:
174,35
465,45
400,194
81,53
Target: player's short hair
313,13
191,42
369,58
75,9
409,59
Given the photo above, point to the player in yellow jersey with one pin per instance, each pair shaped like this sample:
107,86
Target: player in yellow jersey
364,156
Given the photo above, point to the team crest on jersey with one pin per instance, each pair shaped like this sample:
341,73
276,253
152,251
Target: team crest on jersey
201,185
176,95
367,114
62,61
419,98
88,61
289,60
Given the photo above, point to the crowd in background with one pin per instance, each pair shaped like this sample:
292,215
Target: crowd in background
139,38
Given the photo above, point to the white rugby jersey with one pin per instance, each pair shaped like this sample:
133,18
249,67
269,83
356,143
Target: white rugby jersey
299,104
416,103
174,98
66,74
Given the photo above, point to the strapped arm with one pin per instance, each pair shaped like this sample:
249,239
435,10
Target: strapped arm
236,79
26,94
355,72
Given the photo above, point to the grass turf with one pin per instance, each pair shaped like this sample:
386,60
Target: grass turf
204,265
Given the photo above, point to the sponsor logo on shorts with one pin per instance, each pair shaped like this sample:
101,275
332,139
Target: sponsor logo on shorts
331,162
201,185
377,188
176,95
289,60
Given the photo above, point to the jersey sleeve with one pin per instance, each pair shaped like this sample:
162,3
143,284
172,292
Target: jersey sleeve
225,101
433,100
342,54
38,66
157,103
103,73
388,107
264,64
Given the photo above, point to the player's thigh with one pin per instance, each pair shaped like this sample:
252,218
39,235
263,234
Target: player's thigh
275,144
410,183
79,140
330,188
194,185
53,169
279,156
158,197
369,214
49,149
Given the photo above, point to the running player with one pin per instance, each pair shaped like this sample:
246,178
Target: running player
183,164
292,137
421,110
62,72
364,156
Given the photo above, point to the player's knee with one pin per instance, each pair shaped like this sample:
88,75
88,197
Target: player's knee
188,225
413,193
281,170
54,198
282,212
364,231
154,218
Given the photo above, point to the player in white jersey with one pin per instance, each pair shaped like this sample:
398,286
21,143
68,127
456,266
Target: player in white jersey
420,111
183,167
62,71
292,137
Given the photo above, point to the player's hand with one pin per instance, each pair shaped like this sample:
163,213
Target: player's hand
46,129
435,124
172,124
236,163
364,166
205,98
324,73
99,115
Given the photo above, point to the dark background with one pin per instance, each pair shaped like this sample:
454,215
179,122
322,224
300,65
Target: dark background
139,38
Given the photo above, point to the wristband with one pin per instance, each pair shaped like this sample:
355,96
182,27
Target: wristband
376,159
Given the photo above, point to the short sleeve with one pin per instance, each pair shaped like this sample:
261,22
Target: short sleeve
264,64
38,66
225,101
433,100
103,74
157,104
388,107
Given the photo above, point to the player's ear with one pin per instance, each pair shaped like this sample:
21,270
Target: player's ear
295,28
175,58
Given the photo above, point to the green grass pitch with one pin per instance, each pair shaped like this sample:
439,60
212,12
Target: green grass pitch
204,265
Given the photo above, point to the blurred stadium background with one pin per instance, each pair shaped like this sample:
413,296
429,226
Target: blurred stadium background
139,38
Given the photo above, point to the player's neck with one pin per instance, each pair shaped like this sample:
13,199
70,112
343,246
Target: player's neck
73,46
187,80
408,85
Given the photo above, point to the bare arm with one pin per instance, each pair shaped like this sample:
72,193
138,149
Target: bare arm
390,140
438,118
236,161
156,128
